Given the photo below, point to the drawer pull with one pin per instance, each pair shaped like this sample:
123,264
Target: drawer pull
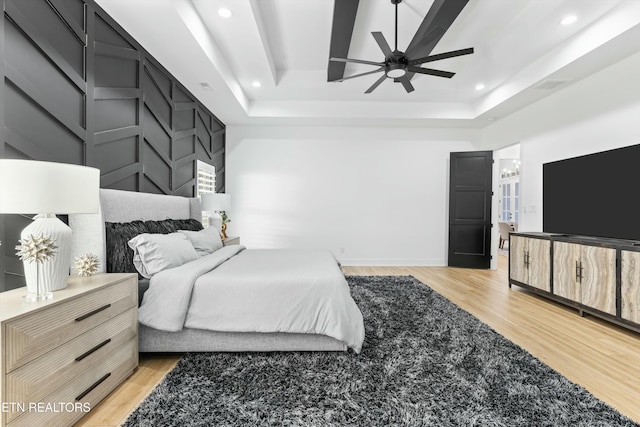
99,346
96,311
96,384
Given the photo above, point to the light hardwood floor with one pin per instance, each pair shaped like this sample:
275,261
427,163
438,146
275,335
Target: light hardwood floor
603,358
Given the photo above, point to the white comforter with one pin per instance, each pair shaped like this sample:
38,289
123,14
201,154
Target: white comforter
256,290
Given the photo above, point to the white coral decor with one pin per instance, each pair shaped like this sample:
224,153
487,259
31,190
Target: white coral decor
85,265
36,249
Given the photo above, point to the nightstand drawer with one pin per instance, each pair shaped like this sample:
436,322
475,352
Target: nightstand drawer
89,387
41,377
32,336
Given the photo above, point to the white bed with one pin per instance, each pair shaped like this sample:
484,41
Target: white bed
254,330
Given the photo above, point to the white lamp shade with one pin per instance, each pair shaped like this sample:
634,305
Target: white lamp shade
215,202
33,187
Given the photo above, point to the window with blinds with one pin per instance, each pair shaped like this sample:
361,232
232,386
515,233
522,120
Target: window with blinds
206,181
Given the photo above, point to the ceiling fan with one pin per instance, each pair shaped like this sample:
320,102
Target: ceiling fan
400,66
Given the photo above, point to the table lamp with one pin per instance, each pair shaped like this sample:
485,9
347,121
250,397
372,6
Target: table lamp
216,202
47,189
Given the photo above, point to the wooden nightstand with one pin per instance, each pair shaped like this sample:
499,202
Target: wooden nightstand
60,357
231,240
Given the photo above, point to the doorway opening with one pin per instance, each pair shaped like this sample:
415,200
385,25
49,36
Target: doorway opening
508,212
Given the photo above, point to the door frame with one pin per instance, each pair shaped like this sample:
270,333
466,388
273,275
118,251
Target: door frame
495,233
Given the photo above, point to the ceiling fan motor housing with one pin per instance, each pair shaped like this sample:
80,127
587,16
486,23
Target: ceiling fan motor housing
395,69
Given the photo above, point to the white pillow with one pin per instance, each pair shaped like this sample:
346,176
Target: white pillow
153,253
205,241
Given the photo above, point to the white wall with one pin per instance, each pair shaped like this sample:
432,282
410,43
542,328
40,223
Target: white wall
599,113
373,196
379,196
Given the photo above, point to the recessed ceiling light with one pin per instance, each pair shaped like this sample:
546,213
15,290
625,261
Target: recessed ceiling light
225,13
479,86
256,83
568,20
206,86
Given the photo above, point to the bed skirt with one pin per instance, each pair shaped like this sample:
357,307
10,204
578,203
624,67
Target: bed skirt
198,340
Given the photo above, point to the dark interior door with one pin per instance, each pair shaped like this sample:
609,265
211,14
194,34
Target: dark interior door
470,209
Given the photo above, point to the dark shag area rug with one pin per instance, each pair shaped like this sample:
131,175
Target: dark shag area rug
425,362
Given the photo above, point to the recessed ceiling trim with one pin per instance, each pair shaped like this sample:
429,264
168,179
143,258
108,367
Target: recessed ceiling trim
266,47
551,84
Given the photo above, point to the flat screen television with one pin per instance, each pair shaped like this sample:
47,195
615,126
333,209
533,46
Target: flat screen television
596,195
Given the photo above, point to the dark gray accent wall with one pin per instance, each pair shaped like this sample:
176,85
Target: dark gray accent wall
78,89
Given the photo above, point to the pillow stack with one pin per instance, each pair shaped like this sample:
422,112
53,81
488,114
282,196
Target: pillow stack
152,246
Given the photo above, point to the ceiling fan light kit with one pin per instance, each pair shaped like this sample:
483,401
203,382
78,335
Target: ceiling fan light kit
401,66
395,71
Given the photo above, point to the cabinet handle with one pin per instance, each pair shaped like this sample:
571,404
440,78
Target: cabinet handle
581,277
577,273
91,313
579,269
96,384
94,349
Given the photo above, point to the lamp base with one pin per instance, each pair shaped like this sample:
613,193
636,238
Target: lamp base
54,273
34,297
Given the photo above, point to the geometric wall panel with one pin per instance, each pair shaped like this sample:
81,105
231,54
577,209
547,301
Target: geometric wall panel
53,28
79,89
116,154
157,134
183,147
115,72
184,119
110,114
34,132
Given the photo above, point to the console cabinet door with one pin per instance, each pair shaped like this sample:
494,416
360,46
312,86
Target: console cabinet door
565,280
598,285
630,286
539,264
517,254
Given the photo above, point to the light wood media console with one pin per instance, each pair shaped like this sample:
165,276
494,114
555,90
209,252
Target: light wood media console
594,275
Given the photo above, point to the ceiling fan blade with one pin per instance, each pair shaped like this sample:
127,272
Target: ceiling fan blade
360,75
430,40
440,56
382,42
357,61
441,15
406,83
344,18
377,83
431,72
